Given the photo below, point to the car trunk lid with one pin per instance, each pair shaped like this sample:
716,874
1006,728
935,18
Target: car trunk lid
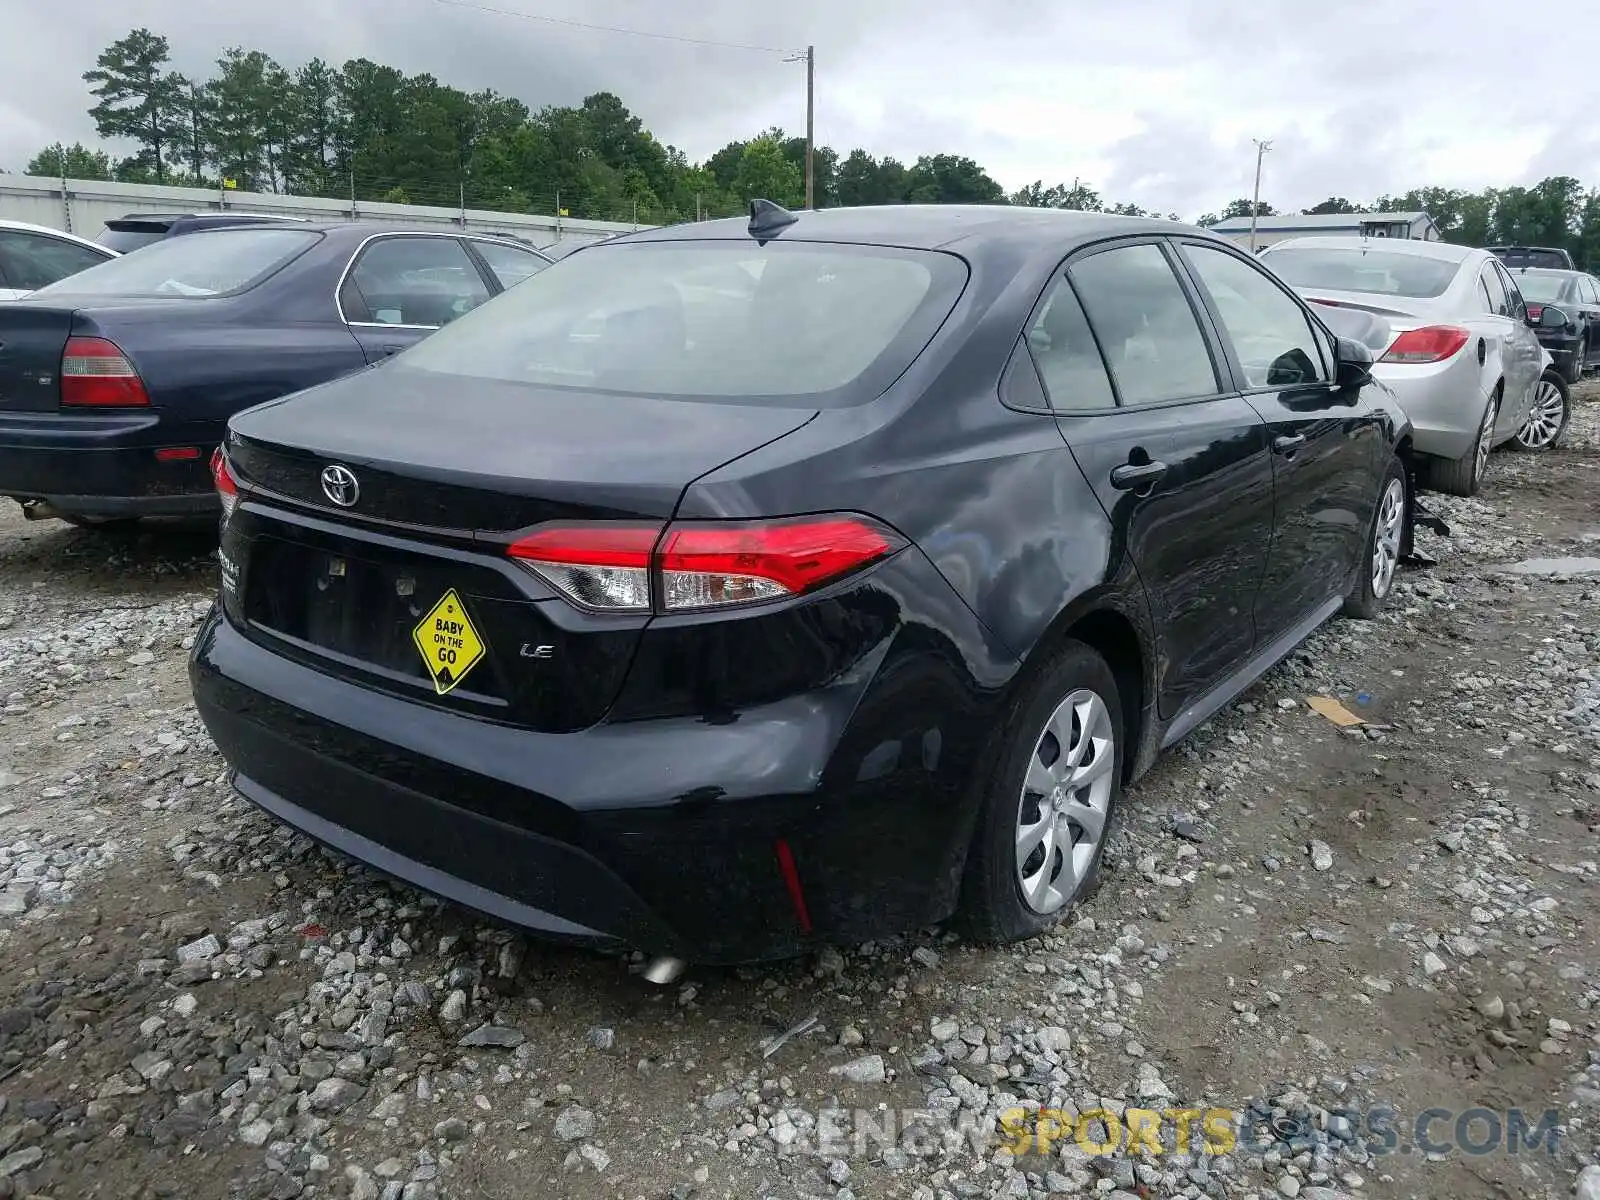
439,475
32,338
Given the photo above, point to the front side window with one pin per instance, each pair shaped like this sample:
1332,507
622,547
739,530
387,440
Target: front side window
1275,341
1149,332
510,265
422,281
684,319
201,265
1070,366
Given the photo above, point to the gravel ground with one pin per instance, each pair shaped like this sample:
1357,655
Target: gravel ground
1300,923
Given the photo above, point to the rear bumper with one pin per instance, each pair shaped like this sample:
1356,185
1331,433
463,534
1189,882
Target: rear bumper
1561,348
105,464
1445,402
659,835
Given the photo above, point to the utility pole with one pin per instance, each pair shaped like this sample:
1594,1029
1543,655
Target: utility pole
1255,201
810,60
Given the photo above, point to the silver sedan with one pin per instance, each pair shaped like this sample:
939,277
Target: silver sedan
1450,332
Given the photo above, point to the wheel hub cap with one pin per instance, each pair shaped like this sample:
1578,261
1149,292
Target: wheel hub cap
1544,422
1386,537
1066,797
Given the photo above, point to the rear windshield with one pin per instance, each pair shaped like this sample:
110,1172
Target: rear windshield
1382,272
216,263
1546,289
833,323
1521,257
124,240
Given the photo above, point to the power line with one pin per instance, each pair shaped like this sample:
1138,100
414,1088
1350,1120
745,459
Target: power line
645,33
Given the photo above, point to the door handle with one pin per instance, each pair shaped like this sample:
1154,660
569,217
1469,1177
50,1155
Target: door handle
1288,445
1132,476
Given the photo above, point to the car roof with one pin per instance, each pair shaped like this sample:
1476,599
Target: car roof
29,227
923,226
1444,251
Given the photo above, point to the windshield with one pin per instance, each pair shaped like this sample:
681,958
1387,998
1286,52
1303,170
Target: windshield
708,318
1543,289
1381,272
197,266
1521,256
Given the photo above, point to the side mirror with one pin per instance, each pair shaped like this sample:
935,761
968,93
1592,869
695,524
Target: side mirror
1551,318
1354,365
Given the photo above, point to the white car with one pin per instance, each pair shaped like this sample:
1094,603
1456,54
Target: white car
35,256
1450,333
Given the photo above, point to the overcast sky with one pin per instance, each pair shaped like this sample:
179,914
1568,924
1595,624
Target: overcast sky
1149,101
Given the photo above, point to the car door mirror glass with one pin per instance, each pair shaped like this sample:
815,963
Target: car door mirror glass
1355,364
1551,318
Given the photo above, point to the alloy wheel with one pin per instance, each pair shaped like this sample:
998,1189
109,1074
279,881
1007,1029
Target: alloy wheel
1544,422
1066,798
1386,537
1486,435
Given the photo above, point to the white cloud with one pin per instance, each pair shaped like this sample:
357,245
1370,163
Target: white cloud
1150,101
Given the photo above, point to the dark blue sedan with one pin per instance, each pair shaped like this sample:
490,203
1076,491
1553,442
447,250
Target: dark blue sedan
117,384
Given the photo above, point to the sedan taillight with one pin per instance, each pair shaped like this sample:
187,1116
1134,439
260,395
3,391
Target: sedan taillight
695,566
1431,343
95,373
227,485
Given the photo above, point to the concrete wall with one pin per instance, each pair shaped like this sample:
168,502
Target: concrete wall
86,205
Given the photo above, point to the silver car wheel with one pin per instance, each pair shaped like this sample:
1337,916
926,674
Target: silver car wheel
1386,537
1486,435
1066,798
1544,422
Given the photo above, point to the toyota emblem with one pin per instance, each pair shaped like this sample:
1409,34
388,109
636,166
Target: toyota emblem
339,485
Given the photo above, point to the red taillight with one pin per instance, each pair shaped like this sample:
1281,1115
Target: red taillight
178,454
1535,311
600,566
1431,343
699,565
96,374
227,485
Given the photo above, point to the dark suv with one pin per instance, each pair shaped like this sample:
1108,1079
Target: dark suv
140,229
1534,256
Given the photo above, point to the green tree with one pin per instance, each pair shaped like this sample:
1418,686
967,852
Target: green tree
76,161
1078,196
765,172
136,97
1241,208
1333,204
951,179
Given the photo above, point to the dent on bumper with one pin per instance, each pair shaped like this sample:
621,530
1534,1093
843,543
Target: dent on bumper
1444,403
655,834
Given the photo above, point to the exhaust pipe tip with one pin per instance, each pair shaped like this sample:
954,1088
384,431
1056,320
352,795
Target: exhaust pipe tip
664,970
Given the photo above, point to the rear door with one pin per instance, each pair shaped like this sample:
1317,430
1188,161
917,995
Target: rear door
1178,461
401,287
1527,355
1328,446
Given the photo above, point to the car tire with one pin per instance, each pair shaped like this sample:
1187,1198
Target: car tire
1579,356
1014,888
1463,476
1388,541
1547,421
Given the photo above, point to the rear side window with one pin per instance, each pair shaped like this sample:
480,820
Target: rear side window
833,323
1070,366
196,267
36,260
1144,322
426,281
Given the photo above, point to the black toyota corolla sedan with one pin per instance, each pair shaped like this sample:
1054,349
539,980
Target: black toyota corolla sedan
733,587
